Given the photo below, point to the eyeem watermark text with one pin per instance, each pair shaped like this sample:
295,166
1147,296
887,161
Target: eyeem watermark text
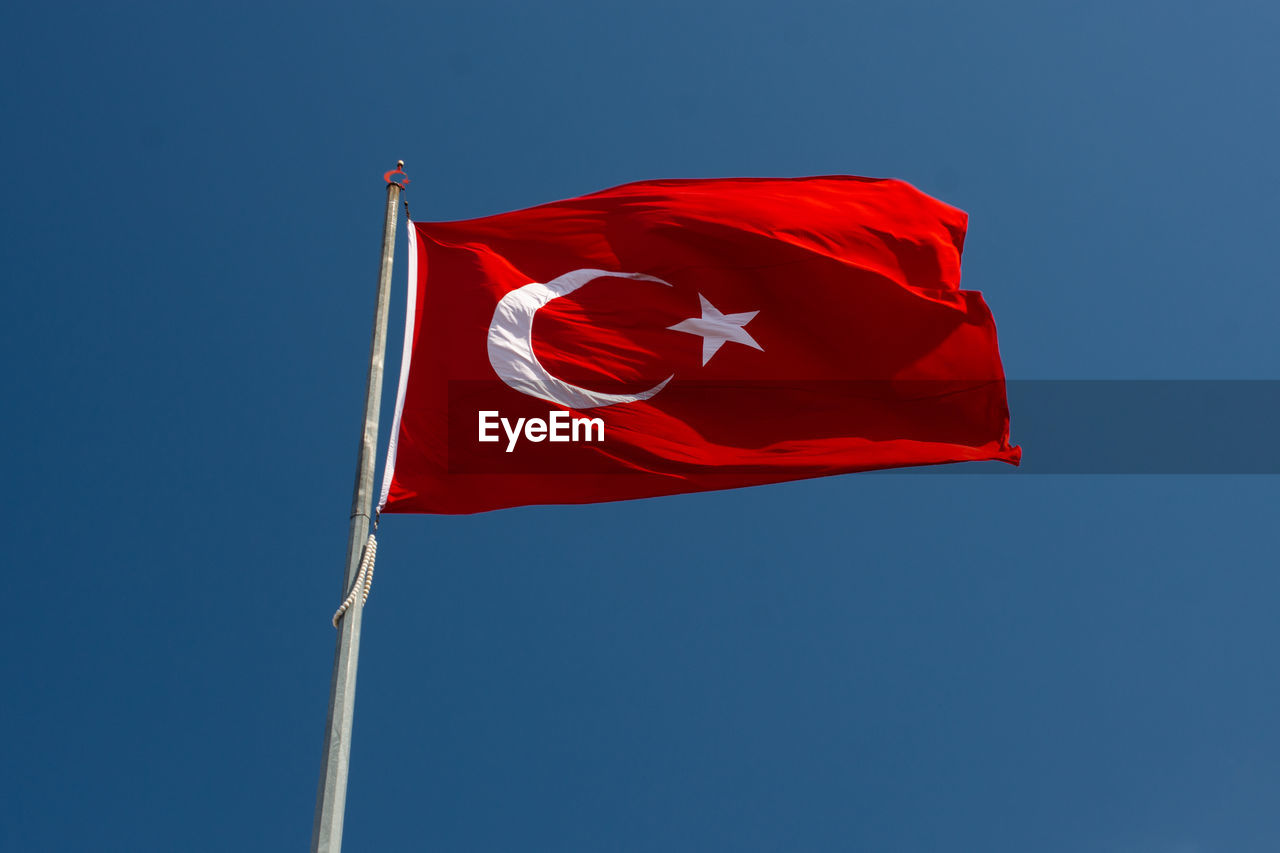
558,426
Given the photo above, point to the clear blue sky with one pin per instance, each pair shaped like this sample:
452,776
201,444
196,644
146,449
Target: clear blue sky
193,204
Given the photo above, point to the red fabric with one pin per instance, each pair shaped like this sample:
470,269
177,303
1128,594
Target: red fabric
870,354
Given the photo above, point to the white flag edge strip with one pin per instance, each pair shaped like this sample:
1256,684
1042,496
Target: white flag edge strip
410,312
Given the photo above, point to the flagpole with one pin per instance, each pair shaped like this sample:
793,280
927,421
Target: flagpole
331,798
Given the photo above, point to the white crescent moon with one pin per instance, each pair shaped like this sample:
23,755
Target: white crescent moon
511,343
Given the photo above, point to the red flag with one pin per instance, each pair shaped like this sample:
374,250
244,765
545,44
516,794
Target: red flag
685,335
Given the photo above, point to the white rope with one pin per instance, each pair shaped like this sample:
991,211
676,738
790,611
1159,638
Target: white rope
364,580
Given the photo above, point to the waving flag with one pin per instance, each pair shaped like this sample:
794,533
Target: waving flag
685,335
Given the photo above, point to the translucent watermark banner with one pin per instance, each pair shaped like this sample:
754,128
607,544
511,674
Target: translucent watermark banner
1089,426
1063,426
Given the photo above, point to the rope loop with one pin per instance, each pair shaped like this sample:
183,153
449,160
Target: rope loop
364,580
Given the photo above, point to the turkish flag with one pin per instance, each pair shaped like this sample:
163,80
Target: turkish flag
685,335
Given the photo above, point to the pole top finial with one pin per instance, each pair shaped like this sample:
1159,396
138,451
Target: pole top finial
398,170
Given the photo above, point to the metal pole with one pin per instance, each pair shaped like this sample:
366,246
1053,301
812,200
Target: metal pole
331,799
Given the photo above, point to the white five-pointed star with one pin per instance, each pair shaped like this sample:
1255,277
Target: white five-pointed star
716,328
